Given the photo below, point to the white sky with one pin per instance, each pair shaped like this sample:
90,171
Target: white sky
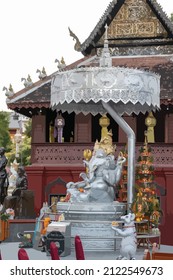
35,32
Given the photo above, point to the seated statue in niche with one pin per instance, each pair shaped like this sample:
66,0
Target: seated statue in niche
13,200
3,175
102,176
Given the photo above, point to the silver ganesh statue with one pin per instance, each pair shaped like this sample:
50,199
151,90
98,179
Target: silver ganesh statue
102,175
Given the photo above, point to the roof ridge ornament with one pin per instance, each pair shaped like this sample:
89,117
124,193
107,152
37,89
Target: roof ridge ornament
8,91
106,59
61,63
77,45
106,32
27,81
42,73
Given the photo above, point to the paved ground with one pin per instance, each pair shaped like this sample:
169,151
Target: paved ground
9,252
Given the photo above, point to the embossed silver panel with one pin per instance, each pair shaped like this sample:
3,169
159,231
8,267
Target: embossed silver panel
84,89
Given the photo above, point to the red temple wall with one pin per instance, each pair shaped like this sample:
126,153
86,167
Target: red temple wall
39,177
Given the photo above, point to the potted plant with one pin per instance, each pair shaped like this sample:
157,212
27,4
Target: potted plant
4,226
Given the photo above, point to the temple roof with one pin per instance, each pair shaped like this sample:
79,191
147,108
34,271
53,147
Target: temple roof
140,36
38,95
128,21
35,96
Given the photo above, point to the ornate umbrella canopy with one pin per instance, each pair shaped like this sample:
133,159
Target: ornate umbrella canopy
87,89
108,89
127,90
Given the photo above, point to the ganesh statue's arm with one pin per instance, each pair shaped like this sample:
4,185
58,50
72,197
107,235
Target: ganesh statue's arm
112,172
121,232
91,175
76,185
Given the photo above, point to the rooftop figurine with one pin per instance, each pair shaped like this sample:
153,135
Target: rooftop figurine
27,81
8,91
42,73
61,64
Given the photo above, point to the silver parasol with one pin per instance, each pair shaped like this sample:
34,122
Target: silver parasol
102,89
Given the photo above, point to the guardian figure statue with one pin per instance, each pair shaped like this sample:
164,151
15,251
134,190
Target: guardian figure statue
3,174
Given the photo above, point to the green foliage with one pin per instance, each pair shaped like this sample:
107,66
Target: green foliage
11,154
28,128
5,140
146,203
4,217
26,144
25,154
143,149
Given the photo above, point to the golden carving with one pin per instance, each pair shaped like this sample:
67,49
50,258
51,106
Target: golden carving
135,19
105,144
146,28
122,14
87,154
124,29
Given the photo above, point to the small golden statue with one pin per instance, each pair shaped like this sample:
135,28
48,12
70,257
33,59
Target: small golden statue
105,144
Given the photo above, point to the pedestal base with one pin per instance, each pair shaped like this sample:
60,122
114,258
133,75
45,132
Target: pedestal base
92,222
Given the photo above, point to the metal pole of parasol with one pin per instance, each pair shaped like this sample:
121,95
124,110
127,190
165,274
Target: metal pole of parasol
131,150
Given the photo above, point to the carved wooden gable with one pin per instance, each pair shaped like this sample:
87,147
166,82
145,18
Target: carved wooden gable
135,19
131,22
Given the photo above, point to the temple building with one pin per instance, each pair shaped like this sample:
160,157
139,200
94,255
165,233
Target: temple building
140,35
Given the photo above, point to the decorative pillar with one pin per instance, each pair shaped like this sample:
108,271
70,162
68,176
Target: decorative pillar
104,122
39,129
169,128
150,122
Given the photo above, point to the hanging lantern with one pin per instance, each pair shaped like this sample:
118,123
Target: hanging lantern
58,128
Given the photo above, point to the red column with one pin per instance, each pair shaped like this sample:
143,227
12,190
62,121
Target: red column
167,230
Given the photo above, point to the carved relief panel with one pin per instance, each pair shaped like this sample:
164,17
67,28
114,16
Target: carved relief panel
135,19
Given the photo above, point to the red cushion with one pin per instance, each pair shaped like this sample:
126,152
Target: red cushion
22,254
54,251
79,249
